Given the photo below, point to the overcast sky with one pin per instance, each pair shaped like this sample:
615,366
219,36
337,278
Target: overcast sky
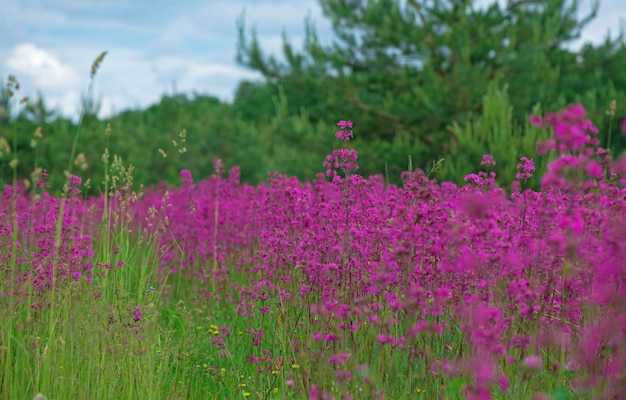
49,45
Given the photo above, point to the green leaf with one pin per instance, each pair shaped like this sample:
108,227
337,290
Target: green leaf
561,394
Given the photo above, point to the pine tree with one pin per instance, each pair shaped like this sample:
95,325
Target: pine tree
413,67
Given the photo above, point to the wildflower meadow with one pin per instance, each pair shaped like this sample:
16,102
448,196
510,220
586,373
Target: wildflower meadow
344,287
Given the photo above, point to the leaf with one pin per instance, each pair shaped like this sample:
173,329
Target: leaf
561,394
455,386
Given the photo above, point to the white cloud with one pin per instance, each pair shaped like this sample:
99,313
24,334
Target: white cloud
195,74
39,70
191,46
44,69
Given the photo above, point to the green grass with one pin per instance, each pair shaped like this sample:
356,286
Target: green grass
87,346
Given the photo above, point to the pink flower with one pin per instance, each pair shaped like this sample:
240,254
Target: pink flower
344,124
535,120
386,339
331,338
314,392
344,134
503,382
42,180
534,362
527,165
487,160
572,365
594,169
574,112
474,178
186,178
75,180
338,358
137,313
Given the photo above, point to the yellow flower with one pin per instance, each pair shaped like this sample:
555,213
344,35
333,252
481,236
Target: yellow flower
295,366
246,394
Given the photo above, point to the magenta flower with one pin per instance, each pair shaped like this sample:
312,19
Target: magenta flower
595,170
488,160
344,134
536,120
75,180
186,178
534,362
338,358
527,167
137,313
574,112
42,179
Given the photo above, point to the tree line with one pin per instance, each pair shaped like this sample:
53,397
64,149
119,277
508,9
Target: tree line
422,81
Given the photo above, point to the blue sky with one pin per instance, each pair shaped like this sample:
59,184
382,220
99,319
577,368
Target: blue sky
49,45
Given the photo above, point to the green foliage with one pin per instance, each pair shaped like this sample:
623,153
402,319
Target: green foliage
494,132
399,68
418,79
287,143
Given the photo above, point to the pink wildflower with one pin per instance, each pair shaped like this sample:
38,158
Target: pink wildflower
534,362
344,134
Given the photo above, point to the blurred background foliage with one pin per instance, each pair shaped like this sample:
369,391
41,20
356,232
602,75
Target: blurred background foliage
421,80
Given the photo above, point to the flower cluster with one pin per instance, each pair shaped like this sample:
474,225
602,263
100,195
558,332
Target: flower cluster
342,159
526,167
572,132
344,134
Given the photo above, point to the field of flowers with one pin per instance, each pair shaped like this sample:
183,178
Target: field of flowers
339,288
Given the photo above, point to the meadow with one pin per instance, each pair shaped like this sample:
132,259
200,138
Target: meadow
344,287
